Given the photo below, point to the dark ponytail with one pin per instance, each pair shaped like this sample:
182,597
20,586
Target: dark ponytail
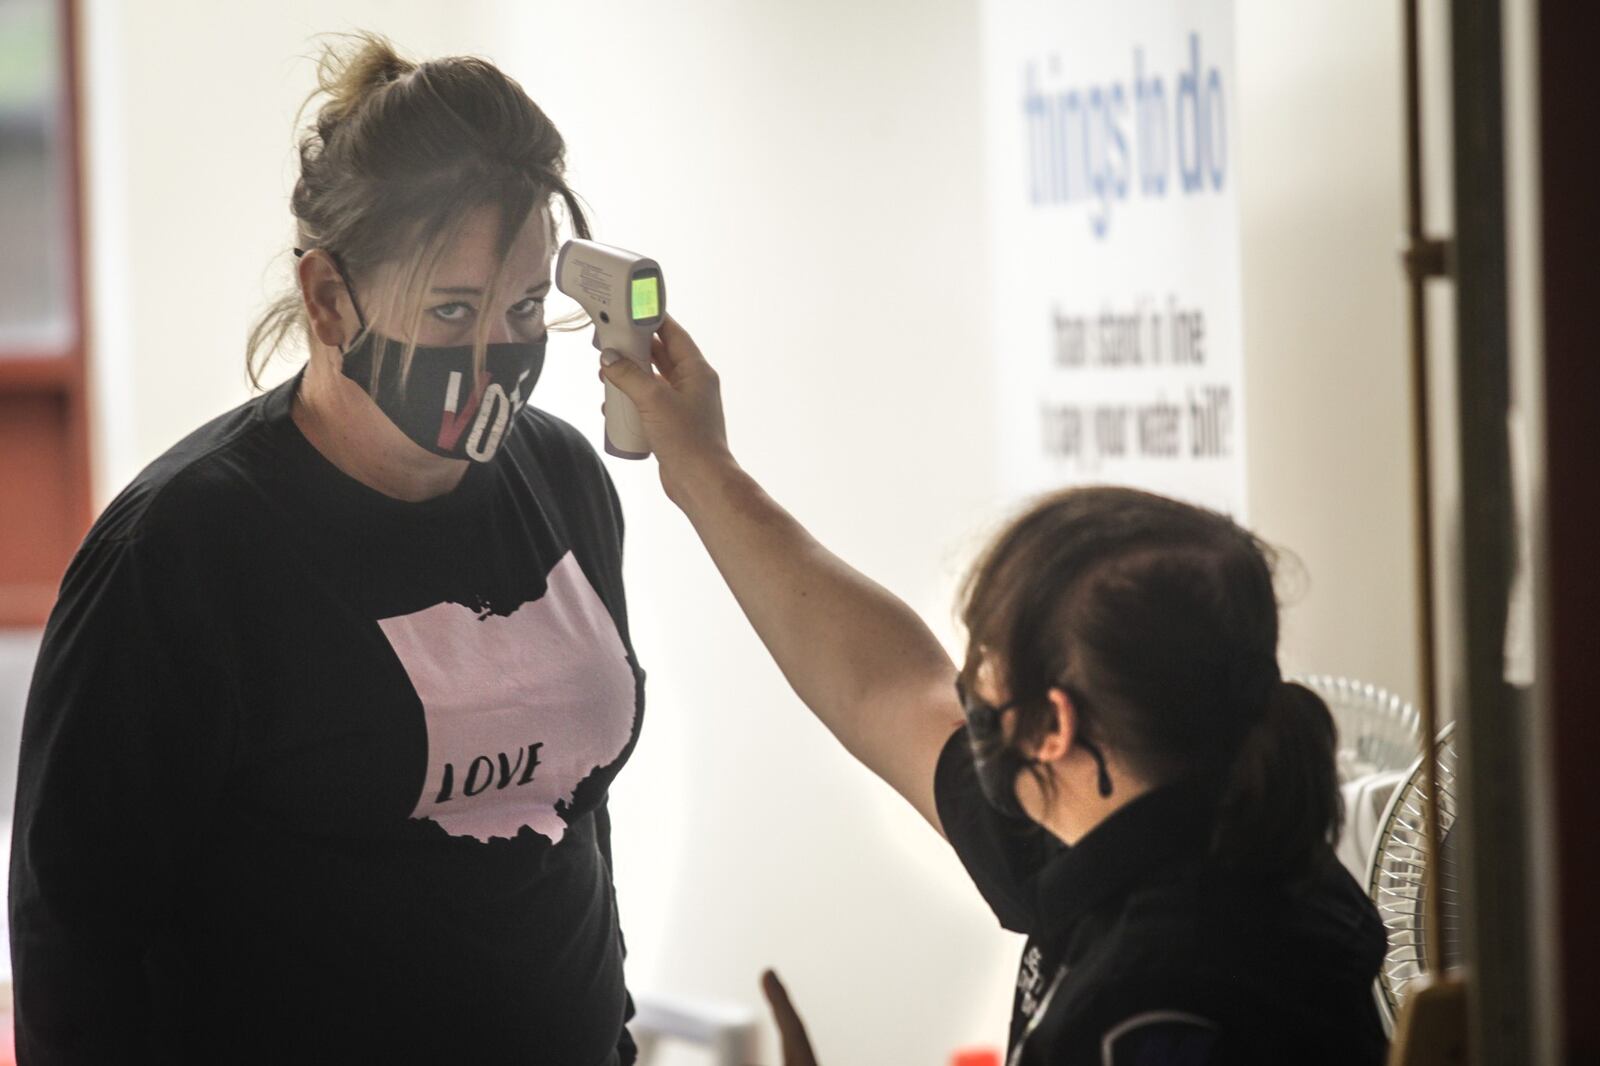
1280,798
1163,616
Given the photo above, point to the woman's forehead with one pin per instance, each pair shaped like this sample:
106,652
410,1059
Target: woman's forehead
468,259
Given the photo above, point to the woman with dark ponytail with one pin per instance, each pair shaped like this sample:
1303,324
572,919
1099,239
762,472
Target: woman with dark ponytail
1119,764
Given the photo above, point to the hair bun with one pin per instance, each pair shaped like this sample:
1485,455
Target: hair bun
349,75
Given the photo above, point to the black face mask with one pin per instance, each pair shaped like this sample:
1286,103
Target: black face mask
444,406
441,407
998,765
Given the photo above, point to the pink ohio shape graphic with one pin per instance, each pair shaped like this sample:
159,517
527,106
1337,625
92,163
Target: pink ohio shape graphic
520,708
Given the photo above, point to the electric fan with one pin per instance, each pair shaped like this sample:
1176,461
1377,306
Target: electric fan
1378,731
1398,874
1379,737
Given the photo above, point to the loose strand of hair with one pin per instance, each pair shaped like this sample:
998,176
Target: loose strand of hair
268,334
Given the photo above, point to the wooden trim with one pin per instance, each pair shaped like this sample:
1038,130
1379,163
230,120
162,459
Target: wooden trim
78,406
61,376
1492,719
40,373
1569,152
25,606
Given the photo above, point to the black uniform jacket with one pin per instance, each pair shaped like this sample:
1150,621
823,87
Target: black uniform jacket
1141,952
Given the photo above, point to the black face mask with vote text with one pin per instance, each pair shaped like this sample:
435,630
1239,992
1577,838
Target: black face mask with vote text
441,404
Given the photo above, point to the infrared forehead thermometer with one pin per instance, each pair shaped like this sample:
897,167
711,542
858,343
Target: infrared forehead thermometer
627,300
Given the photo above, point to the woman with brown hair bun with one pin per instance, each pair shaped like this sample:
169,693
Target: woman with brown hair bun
1119,765
316,754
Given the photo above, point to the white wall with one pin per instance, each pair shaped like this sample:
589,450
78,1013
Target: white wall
808,174
1324,326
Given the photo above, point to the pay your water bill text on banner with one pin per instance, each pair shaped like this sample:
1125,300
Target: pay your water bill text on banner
1112,154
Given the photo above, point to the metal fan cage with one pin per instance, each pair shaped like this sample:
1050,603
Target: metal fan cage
1398,875
1378,731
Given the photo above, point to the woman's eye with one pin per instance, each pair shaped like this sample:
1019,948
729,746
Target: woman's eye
455,311
528,307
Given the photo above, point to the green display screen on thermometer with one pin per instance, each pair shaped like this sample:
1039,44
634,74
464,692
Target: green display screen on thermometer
646,298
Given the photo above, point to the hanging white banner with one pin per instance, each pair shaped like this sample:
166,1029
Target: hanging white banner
1114,253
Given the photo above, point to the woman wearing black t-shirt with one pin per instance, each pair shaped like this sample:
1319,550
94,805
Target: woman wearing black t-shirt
1134,787
315,761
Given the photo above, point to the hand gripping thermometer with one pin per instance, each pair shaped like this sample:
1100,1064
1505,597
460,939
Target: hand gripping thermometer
627,300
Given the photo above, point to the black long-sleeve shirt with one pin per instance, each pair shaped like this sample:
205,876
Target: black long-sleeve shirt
312,774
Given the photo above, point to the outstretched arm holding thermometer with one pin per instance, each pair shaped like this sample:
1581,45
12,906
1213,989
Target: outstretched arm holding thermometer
862,660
